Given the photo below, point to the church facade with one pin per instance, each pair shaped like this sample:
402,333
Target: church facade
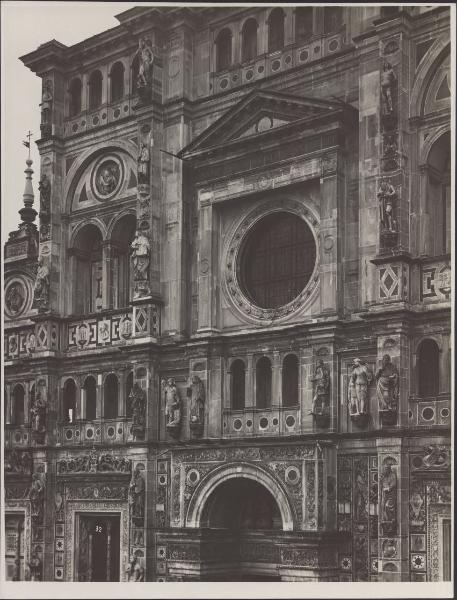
228,318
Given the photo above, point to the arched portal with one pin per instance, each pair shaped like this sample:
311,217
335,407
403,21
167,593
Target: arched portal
199,512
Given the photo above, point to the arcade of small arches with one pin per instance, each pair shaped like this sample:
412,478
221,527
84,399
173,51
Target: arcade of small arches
108,396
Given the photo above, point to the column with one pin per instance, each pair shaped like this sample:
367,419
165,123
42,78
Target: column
207,269
250,382
276,380
98,412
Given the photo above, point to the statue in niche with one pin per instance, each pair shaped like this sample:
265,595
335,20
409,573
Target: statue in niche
360,496
140,252
146,60
143,164
44,185
172,406
138,406
196,393
321,399
359,381
388,82
38,411
388,500
136,496
387,387
41,289
387,197
36,496
135,571
46,109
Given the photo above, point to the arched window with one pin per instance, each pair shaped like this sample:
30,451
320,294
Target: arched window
428,369
18,416
74,92
263,383
238,391
122,236
110,400
249,40
276,30
128,391
88,282
290,380
69,401
303,24
333,19
95,90
117,81
224,49
90,389
439,196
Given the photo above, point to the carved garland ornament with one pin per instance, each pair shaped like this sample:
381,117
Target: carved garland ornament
232,284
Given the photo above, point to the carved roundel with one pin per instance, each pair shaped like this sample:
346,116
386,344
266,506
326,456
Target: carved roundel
17,296
107,177
271,260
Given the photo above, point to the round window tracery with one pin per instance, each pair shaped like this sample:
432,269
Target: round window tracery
271,261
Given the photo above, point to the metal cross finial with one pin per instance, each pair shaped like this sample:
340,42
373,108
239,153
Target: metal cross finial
27,144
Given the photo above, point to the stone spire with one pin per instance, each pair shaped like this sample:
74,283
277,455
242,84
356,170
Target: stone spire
28,213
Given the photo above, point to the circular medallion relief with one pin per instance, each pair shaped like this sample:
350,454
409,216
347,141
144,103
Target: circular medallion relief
107,177
15,298
271,261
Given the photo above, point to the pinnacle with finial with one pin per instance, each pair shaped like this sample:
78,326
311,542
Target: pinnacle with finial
28,213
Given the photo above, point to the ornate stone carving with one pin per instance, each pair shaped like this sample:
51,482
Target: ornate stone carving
196,394
91,492
107,177
387,197
36,496
417,508
390,152
41,289
387,391
138,405
18,462
44,185
436,457
15,297
143,164
172,406
141,250
94,463
361,492
359,380
389,548
388,498
146,60
46,109
321,400
137,496
35,566
135,571
388,86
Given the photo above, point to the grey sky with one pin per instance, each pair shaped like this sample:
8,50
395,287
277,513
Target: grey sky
26,25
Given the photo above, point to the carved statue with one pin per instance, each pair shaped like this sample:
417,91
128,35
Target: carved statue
38,412
387,387
41,289
143,164
36,496
359,381
196,393
360,497
44,185
172,405
388,81
321,381
388,499
140,252
146,60
136,496
138,405
135,571
387,197
35,567
46,103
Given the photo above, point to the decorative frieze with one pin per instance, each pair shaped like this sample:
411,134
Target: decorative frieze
94,463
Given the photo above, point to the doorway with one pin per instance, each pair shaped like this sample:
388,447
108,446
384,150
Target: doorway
98,547
14,547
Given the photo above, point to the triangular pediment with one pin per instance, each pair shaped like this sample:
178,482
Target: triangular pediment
257,113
